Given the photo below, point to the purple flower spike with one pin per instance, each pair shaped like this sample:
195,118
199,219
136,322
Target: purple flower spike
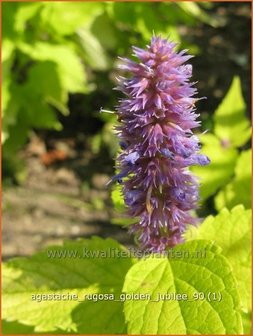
156,121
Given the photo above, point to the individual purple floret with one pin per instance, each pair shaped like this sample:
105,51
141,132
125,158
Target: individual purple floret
156,121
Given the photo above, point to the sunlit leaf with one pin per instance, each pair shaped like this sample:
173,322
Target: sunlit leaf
90,272
221,168
70,68
183,275
239,190
231,124
94,53
232,232
66,17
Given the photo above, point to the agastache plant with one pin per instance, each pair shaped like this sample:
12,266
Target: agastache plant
156,119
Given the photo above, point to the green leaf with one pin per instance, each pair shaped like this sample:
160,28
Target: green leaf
47,89
193,9
8,18
232,232
81,267
239,190
183,275
70,68
117,198
221,168
6,96
47,85
120,216
104,24
25,12
30,105
15,135
247,323
16,328
123,13
93,51
66,18
7,50
7,62
231,124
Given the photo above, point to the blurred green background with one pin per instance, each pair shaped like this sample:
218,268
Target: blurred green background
59,63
